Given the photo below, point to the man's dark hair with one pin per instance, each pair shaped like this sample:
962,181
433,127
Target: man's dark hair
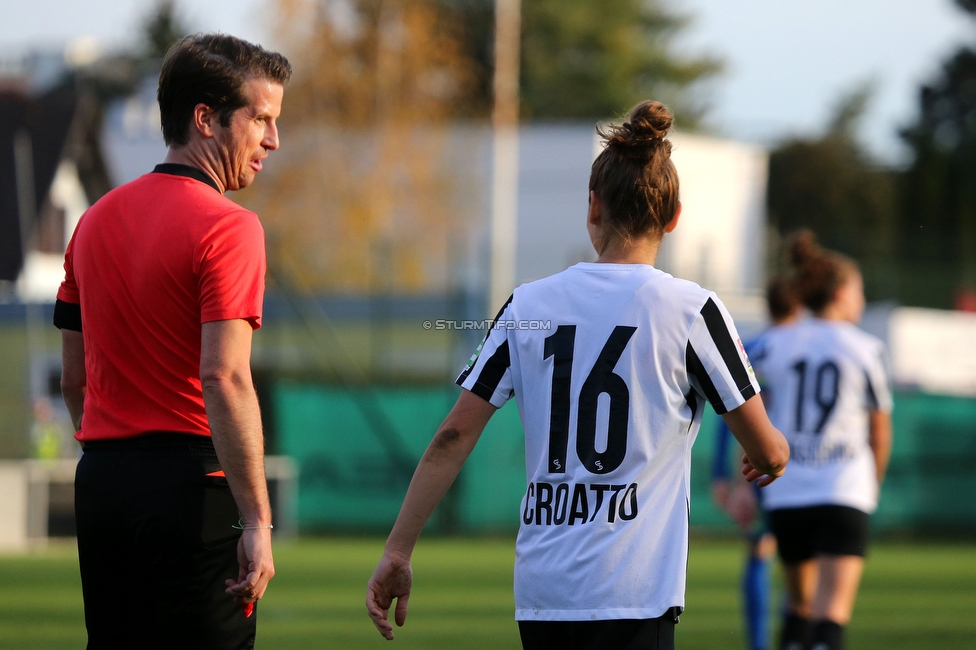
211,69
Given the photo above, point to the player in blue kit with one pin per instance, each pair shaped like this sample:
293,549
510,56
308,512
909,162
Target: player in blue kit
611,397
743,501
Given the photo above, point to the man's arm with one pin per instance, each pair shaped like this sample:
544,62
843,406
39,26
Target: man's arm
766,450
73,378
435,473
879,438
235,424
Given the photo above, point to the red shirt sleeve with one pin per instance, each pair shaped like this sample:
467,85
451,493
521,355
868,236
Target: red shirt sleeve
231,266
68,292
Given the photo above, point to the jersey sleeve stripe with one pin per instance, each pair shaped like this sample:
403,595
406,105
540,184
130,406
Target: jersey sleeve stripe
697,370
492,372
501,312
467,371
719,332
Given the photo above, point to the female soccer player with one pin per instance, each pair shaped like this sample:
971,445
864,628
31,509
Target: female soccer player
610,394
827,389
743,501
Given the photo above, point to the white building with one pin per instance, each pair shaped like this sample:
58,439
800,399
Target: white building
719,242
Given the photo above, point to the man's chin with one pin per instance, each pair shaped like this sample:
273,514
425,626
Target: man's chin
242,182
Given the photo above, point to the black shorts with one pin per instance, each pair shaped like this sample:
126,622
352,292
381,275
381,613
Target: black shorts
155,544
618,634
804,533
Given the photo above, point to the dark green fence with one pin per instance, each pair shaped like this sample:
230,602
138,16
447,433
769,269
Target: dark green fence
356,449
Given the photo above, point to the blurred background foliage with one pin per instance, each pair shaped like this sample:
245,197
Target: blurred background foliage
583,59
937,234
390,77
831,185
360,199
912,229
365,196
591,60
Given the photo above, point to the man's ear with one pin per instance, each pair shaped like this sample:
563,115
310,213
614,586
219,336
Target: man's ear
204,120
674,220
594,213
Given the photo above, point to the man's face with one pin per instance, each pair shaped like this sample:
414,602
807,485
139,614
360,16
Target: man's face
252,133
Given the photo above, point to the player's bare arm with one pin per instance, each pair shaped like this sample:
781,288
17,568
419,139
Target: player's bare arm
879,438
73,377
235,423
437,470
766,450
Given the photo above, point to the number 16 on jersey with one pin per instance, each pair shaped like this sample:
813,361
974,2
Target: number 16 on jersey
601,379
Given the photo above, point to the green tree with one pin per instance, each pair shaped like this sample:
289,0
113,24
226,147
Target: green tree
163,27
831,185
937,235
590,59
362,195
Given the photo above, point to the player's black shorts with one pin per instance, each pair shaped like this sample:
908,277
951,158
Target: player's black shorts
620,634
155,544
804,533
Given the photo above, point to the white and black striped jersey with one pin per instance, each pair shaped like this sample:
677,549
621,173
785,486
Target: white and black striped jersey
610,365
821,380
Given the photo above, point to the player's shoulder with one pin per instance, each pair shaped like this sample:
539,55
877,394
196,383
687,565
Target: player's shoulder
655,288
781,331
860,343
783,336
681,289
759,346
677,295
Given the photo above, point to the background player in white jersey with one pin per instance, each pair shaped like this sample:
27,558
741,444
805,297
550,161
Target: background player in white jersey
742,500
827,389
610,364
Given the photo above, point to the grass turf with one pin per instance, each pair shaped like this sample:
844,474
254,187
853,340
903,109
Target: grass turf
912,596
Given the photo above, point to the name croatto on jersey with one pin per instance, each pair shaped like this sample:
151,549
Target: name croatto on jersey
546,504
611,397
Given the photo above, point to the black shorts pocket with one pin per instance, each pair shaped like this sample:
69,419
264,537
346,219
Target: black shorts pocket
217,512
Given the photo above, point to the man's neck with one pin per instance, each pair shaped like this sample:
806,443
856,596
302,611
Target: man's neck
197,159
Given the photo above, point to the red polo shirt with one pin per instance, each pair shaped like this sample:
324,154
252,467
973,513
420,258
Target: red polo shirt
149,263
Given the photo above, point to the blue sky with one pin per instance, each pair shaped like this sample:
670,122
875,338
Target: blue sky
787,61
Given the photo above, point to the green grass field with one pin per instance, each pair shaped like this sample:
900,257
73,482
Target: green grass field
913,596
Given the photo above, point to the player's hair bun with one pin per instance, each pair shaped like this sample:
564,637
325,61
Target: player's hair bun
818,272
634,177
644,131
803,248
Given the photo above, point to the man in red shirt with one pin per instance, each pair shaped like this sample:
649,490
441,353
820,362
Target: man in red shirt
164,283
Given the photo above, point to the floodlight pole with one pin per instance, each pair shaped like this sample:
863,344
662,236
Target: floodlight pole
33,313
505,152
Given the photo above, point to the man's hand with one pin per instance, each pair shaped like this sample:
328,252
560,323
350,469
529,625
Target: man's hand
392,578
256,567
